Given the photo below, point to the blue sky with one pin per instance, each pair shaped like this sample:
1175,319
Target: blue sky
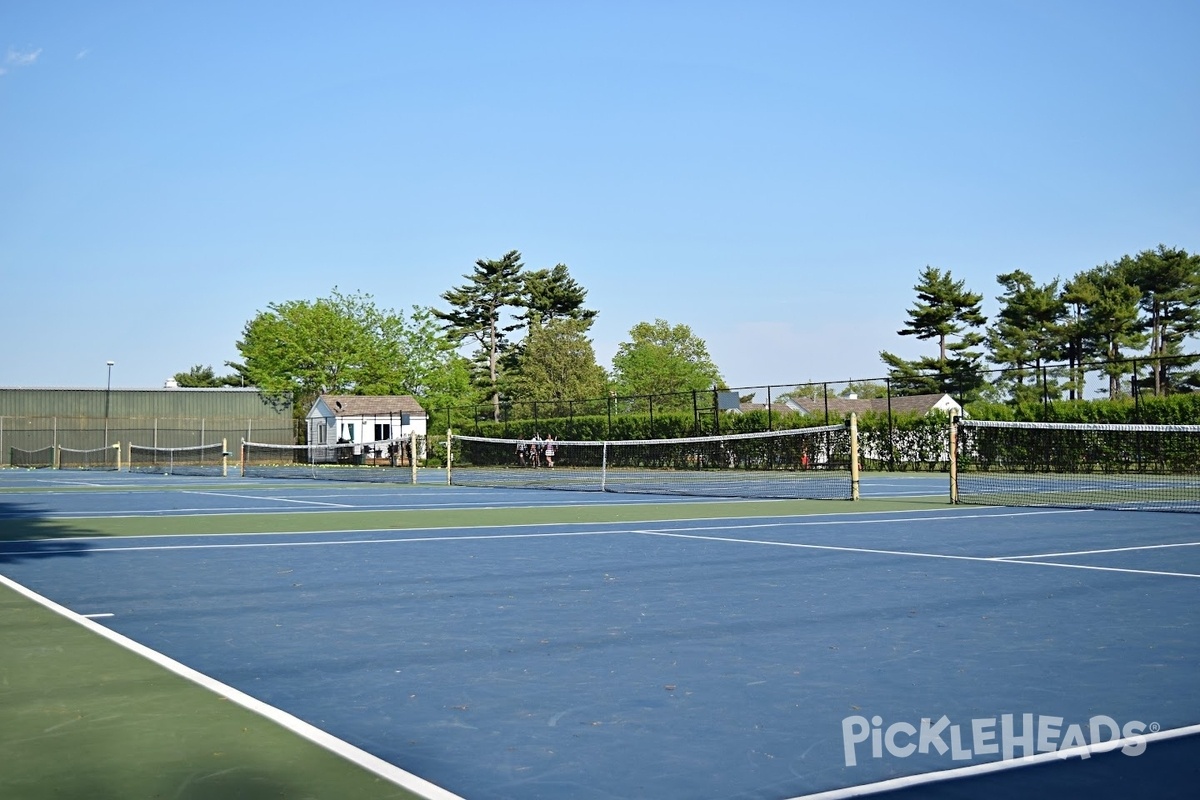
772,174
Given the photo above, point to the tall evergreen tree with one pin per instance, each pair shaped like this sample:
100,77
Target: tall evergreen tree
1079,349
547,295
550,294
946,312
1027,333
1169,281
477,312
1109,324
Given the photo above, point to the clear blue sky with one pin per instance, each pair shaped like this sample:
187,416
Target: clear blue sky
772,174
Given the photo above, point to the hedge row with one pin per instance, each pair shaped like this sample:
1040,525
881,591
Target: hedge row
1177,409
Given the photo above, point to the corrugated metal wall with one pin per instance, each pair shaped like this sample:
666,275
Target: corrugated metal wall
83,419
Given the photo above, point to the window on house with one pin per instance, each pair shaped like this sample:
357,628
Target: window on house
383,431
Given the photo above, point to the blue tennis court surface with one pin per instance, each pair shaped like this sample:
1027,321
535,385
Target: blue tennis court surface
759,657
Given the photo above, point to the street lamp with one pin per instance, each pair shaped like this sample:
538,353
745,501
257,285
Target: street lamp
107,394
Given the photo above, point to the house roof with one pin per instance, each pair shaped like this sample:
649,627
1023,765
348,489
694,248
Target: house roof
357,405
776,408
917,403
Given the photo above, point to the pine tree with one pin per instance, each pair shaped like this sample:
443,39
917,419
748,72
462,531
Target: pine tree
1027,333
477,312
947,312
1169,282
1108,324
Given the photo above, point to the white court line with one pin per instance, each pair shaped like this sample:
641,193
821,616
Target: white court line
910,554
361,758
77,483
1106,550
1081,751
1096,568
259,545
269,499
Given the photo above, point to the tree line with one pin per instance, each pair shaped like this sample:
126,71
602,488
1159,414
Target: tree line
508,333
513,334
1145,306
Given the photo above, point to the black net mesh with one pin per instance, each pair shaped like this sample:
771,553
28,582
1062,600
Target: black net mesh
1143,467
806,463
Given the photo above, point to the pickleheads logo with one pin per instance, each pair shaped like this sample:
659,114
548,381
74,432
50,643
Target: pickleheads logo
988,736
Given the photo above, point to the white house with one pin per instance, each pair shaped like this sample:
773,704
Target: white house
360,419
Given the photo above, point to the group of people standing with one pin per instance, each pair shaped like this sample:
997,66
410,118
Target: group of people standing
532,453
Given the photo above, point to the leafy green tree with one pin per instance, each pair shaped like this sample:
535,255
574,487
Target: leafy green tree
203,377
663,360
1027,332
301,349
346,344
1169,281
946,312
558,363
864,390
477,313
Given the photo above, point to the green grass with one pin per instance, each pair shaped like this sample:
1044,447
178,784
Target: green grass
82,717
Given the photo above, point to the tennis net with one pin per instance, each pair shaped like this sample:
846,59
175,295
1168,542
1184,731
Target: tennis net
1139,467
99,458
811,463
32,459
204,459
387,461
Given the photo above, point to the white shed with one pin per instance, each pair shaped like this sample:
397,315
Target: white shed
361,419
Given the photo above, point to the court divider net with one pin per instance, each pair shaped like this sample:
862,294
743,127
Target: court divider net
386,461
203,459
42,457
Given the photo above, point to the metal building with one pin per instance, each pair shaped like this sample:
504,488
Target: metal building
31,419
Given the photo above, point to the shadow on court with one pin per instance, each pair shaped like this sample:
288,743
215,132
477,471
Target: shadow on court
25,536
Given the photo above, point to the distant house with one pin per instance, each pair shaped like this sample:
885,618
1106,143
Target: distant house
841,407
776,408
360,419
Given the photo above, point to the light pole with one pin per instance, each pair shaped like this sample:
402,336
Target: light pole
107,394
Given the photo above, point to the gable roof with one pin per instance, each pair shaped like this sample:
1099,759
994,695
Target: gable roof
358,405
776,408
911,404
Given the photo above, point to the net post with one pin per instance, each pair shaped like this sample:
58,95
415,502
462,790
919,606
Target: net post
449,456
604,467
412,455
854,471
117,446
242,459
224,457
953,460
56,457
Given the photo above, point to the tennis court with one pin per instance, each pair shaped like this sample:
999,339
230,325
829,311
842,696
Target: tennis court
358,640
